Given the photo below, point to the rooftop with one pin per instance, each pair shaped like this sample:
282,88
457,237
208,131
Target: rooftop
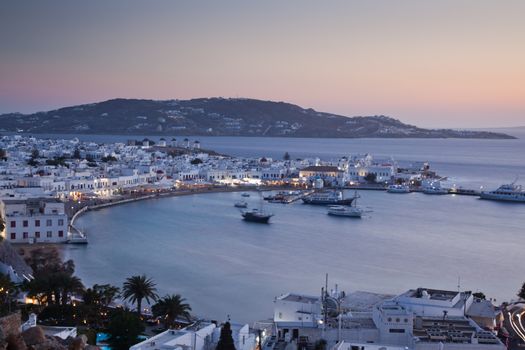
298,298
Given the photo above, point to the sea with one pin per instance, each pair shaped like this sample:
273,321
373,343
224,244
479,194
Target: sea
199,247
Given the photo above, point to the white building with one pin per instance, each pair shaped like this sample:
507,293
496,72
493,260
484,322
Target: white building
35,220
419,319
199,336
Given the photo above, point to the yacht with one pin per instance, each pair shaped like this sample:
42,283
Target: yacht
256,215
510,192
328,198
342,210
245,194
398,189
241,204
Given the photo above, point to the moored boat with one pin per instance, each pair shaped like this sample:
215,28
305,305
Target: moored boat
398,189
245,194
435,190
241,204
510,193
328,198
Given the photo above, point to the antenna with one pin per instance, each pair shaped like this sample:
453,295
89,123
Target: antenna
459,284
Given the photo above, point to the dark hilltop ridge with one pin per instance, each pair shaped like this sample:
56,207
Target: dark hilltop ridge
218,117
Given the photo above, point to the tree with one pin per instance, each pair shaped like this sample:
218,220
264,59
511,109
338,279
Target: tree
109,159
286,156
69,285
371,178
107,293
170,307
124,329
35,153
479,295
196,161
521,292
226,339
3,154
32,162
7,292
137,288
76,154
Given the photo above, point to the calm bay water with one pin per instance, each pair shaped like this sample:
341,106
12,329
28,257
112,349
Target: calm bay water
198,246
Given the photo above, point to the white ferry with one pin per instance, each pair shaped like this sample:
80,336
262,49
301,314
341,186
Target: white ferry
510,192
398,189
342,210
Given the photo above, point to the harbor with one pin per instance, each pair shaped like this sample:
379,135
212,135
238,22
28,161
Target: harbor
399,243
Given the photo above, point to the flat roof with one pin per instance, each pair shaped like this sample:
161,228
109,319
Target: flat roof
450,330
298,298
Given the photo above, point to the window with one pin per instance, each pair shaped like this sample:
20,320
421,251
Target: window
25,223
60,222
60,233
13,235
25,235
49,234
13,223
37,234
37,223
49,222
396,330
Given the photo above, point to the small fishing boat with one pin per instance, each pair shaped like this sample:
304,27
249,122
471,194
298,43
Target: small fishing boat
241,204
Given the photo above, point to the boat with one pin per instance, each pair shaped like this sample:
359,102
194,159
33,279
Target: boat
255,215
244,194
241,204
344,210
328,198
435,190
398,189
510,193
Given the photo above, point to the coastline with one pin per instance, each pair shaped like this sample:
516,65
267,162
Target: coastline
177,193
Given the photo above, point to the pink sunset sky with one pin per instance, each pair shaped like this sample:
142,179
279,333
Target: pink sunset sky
448,63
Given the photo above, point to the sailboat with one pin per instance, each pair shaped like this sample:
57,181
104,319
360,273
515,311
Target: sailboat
257,215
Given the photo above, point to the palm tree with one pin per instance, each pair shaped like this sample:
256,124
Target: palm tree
170,307
107,293
70,285
137,288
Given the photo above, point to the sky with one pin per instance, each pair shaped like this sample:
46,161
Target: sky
447,63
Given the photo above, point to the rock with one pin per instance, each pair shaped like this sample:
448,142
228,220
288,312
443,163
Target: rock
50,344
91,347
15,342
78,344
33,335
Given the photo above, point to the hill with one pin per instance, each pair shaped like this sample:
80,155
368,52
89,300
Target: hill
218,117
